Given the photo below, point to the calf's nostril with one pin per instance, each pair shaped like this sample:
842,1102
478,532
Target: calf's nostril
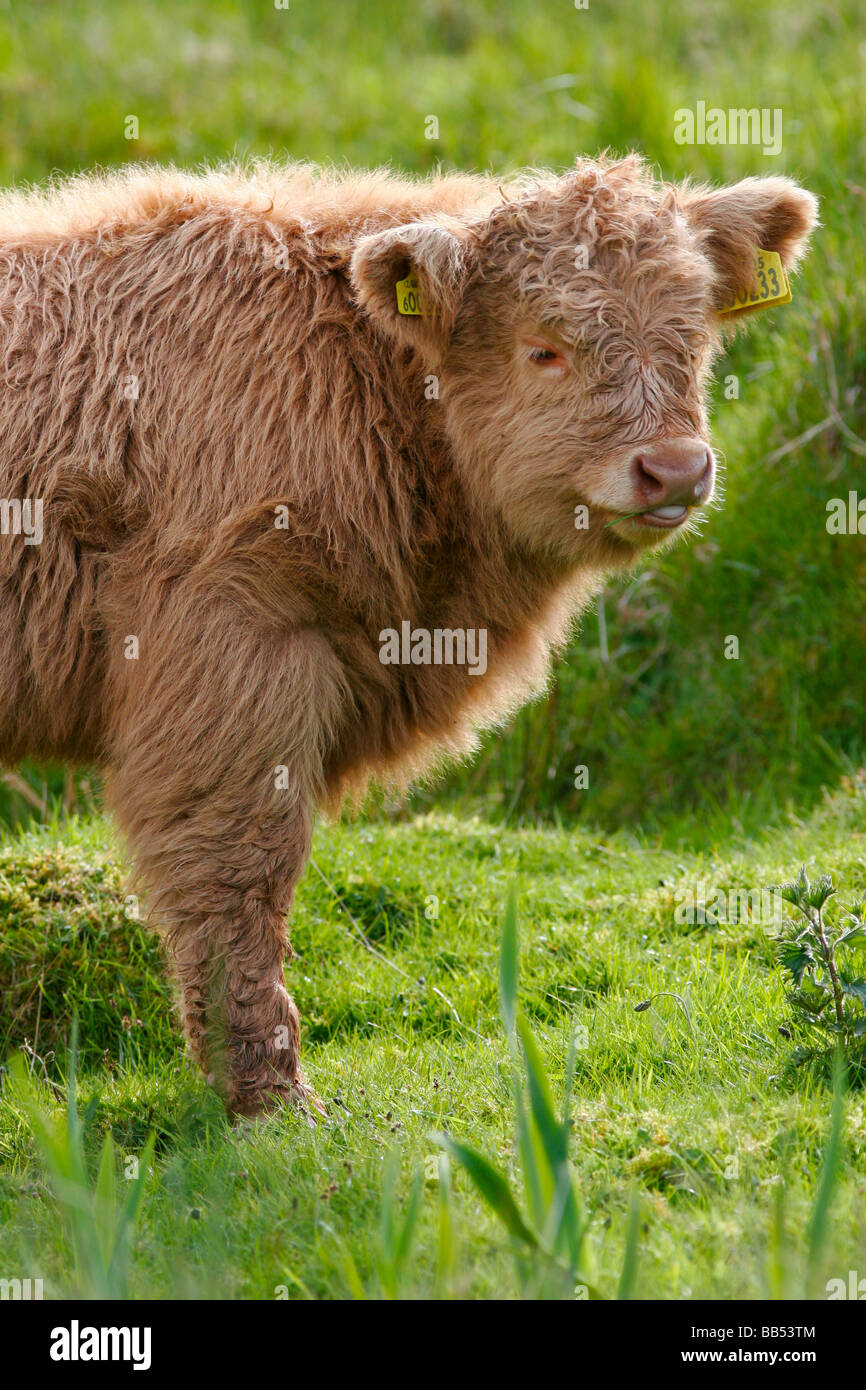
647,477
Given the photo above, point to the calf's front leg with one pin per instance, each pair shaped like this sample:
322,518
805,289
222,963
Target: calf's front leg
216,802
229,943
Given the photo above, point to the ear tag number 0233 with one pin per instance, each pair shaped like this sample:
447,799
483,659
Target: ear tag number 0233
771,286
409,297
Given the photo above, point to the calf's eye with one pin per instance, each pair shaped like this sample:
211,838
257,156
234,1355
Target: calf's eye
544,355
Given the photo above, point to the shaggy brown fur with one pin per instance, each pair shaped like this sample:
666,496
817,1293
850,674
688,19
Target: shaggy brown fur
245,466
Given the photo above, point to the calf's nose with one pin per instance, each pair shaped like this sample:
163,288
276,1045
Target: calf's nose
676,472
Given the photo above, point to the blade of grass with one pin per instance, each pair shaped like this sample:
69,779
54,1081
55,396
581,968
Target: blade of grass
819,1226
628,1274
492,1186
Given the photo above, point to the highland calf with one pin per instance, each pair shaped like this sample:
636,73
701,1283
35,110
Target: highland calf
251,467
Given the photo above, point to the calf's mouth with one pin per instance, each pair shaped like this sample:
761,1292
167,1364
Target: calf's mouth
666,517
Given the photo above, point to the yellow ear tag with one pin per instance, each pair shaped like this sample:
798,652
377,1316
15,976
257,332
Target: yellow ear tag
771,286
409,299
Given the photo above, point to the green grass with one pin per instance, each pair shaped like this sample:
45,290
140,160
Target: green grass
703,1118
700,767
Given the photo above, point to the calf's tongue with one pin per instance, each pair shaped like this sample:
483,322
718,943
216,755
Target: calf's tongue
668,513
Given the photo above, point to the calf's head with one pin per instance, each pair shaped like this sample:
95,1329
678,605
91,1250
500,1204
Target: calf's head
572,329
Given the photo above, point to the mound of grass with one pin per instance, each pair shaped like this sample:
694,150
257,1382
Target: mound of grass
71,944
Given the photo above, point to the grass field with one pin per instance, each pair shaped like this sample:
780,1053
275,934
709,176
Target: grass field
701,768
703,1116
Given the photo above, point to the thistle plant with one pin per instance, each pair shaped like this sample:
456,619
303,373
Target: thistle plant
829,994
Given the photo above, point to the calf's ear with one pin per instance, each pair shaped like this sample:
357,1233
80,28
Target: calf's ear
434,259
773,214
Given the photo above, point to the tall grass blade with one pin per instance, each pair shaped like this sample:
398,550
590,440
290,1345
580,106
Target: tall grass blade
492,1186
509,965
819,1226
628,1274
446,1249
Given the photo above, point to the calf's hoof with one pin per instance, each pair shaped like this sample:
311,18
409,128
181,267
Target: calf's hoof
257,1099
